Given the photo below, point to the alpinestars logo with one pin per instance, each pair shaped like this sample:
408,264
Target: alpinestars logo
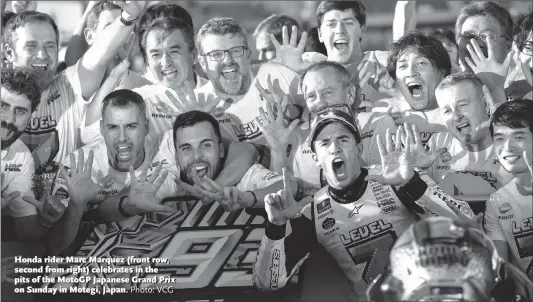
355,210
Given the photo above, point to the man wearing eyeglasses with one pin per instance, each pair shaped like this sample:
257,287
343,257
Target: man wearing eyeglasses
524,41
357,216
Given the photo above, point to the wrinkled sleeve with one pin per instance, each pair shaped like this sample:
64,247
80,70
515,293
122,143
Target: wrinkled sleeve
491,225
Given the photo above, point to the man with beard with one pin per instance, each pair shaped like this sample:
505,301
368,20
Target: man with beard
508,220
524,41
357,216
469,166
110,186
200,156
484,31
31,40
417,62
20,97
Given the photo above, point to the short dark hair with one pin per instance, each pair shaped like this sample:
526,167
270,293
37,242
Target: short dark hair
344,74
96,11
313,42
444,33
122,98
220,27
191,118
5,17
513,114
486,8
24,18
163,10
358,8
426,45
22,81
523,29
274,25
167,25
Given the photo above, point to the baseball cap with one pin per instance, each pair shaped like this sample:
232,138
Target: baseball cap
321,117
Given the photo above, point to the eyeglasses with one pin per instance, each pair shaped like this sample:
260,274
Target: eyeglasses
527,48
484,36
234,52
317,114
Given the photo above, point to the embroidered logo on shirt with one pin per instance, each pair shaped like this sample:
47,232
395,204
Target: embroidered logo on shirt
355,210
13,167
323,206
53,96
504,208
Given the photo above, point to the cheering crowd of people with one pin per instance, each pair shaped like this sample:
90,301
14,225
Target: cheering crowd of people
411,166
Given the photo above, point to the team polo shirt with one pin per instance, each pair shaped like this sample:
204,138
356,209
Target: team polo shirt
52,132
17,168
508,217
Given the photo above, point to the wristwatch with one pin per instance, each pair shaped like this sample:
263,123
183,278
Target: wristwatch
126,22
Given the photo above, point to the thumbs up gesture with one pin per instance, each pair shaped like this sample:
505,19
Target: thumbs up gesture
281,206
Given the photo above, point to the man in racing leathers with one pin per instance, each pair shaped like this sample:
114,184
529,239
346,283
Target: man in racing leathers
358,216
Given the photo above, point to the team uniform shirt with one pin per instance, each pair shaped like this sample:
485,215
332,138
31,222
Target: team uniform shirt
508,217
158,107
131,80
52,132
428,122
120,180
369,124
357,229
463,172
17,168
237,116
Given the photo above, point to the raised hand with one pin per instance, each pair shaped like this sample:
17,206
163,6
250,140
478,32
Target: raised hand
482,130
230,198
274,127
281,206
290,52
187,101
275,96
142,193
528,159
488,69
8,269
81,188
50,209
396,162
23,6
131,9
423,159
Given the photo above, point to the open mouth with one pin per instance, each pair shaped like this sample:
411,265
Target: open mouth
511,158
40,67
464,128
341,44
415,89
339,168
230,73
124,153
169,73
201,169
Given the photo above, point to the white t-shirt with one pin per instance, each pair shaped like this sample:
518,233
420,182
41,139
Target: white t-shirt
17,169
508,217
428,122
462,172
131,80
237,118
52,132
369,124
121,180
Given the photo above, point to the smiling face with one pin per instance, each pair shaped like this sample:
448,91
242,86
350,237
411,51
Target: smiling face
509,146
35,46
169,57
337,152
463,109
124,130
324,87
198,150
231,74
417,78
341,33
15,113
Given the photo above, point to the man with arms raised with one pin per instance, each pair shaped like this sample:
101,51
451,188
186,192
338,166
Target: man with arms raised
507,219
469,167
31,40
358,204
107,182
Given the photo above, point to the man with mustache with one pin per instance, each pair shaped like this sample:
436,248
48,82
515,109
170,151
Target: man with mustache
110,190
469,166
31,40
357,216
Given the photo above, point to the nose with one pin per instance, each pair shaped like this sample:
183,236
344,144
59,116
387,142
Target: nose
122,137
228,58
334,148
457,116
42,53
262,55
165,60
340,28
412,70
198,155
507,145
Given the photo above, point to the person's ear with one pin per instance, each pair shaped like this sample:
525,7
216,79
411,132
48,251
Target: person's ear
194,56
89,36
9,53
222,150
315,159
147,124
102,126
320,38
203,62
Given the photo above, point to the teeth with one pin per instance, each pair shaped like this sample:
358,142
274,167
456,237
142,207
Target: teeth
169,72
511,158
463,127
341,41
229,70
200,167
338,160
